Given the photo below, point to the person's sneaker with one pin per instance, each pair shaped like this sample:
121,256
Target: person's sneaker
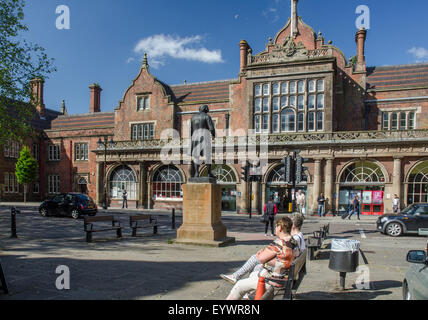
273,235
266,234
229,278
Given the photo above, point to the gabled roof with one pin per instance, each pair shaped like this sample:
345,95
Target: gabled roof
396,77
83,121
201,92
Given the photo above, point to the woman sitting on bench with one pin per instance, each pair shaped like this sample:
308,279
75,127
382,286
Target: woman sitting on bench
252,263
275,260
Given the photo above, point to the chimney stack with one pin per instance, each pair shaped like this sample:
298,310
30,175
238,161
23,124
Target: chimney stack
37,87
95,105
360,39
243,45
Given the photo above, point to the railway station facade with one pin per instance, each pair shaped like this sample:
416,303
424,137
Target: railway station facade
363,129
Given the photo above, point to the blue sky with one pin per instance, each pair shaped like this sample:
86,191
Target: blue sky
198,41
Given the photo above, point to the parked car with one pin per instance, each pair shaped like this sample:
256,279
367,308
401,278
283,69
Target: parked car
410,220
415,285
69,204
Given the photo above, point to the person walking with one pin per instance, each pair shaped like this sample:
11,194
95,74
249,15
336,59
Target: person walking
125,199
355,207
321,205
300,201
270,210
396,204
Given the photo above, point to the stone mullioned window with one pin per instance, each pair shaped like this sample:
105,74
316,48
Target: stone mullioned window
289,106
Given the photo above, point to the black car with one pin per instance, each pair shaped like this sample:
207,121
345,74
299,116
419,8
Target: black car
410,220
69,204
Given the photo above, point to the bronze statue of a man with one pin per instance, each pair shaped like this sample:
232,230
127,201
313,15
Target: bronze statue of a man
202,130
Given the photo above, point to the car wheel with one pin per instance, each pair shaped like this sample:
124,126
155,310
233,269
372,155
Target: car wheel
406,293
44,212
75,214
394,229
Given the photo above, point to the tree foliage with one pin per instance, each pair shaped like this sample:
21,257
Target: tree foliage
26,168
20,62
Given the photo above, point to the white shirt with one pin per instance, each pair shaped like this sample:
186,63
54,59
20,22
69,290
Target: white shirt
300,198
395,201
300,241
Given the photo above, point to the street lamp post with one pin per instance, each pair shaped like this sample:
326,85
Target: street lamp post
104,144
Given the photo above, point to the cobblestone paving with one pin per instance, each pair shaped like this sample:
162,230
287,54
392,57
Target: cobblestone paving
149,267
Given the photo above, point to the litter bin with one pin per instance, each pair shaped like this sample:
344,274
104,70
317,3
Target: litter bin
344,257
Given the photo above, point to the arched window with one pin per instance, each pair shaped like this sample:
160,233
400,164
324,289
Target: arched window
123,178
167,183
288,120
276,176
418,184
363,173
223,173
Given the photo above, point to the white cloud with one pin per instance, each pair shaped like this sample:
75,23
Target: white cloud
236,16
130,60
271,14
159,47
420,54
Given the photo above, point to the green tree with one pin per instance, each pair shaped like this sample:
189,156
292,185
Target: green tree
26,169
20,62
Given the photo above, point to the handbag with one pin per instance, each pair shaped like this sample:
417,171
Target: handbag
264,218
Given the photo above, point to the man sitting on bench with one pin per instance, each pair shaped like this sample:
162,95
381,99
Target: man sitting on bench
275,260
253,262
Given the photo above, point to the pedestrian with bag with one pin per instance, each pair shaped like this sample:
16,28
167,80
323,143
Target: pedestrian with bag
396,204
270,210
355,207
301,202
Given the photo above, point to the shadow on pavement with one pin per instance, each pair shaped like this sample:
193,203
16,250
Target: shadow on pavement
35,278
342,295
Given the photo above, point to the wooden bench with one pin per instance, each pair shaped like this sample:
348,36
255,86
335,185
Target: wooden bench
315,243
141,222
89,226
3,281
291,284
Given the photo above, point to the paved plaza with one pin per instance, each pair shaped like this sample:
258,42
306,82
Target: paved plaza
150,267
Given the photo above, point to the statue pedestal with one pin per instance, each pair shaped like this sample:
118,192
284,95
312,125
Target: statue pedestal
202,223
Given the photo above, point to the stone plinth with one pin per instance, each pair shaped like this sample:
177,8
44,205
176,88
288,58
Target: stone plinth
202,223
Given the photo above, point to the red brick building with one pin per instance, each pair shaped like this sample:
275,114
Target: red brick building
364,129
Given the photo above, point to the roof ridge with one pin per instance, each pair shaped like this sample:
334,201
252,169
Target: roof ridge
198,83
401,65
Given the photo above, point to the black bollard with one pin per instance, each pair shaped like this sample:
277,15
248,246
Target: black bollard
342,280
13,223
173,219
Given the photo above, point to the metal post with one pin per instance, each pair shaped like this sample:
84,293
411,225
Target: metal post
342,280
105,173
13,223
173,219
251,195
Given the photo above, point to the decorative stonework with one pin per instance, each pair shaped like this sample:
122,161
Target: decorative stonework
288,51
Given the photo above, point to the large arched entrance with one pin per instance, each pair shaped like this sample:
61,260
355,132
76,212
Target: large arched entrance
167,182
367,180
280,191
226,177
417,184
123,178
